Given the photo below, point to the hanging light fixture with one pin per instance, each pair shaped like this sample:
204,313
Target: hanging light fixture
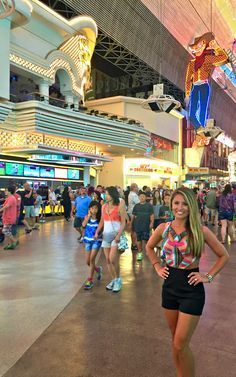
158,101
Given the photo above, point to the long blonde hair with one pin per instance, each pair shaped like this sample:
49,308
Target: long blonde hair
193,224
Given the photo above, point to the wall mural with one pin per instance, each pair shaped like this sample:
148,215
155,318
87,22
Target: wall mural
207,55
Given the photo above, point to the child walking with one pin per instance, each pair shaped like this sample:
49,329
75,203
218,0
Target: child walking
92,245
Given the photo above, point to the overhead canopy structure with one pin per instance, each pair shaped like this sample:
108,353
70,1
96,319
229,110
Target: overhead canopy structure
135,27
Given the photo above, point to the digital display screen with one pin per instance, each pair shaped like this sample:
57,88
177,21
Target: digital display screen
14,168
73,174
60,173
31,170
2,168
47,172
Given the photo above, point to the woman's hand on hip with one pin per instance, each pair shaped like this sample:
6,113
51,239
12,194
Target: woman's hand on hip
196,278
163,272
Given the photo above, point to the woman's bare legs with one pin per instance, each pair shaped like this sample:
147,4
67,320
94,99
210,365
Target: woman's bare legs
110,265
172,319
223,230
230,230
182,327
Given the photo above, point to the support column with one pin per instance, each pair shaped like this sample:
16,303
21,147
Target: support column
76,103
44,90
69,100
5,26
86,175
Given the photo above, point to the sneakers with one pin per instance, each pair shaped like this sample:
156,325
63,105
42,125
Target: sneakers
110,286
35,227
99,273
81,239
140,257
10,247
28,231
88,284
117,285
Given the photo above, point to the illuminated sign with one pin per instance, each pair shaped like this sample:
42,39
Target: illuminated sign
198,170
2,168
61,173
229,73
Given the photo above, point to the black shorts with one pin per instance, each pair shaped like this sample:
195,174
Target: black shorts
142,236
178,294
78,222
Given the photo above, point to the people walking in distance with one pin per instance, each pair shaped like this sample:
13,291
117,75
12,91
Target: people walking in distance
92,246
157,203
226,213
52,200
97,197
28,202
113,223
165,211
66,202
81,210
183,294
143,220
132,200
38,201
9,217
14,229
211,207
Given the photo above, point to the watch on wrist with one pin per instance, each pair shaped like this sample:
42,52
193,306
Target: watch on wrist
210,278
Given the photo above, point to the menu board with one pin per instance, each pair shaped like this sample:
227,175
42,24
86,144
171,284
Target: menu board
47,172
31,171
13,168
60,173
73,174
2,168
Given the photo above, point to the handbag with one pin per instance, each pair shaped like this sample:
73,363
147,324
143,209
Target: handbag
123,243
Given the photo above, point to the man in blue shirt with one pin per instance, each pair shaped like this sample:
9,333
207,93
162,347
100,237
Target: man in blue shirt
81,210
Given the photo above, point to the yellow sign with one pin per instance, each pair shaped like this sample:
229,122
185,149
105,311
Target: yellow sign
198,170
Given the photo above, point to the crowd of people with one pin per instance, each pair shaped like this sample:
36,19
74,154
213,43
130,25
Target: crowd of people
170,227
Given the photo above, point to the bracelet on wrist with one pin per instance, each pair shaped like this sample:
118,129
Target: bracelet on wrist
210,277
155,263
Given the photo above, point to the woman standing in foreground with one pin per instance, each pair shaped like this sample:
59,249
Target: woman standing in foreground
183,294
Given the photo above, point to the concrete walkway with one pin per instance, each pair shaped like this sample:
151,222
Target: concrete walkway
99,333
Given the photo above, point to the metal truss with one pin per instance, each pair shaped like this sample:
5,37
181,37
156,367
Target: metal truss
114,53
130,64
60,7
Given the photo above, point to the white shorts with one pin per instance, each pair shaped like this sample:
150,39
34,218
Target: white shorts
36,211
109,244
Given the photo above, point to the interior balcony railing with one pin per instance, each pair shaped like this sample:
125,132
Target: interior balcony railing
35,96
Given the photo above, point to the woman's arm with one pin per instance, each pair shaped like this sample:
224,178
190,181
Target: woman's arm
100,227
122,212
153,241
219,250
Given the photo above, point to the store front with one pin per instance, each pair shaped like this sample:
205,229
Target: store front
19,171
151,173
205,177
